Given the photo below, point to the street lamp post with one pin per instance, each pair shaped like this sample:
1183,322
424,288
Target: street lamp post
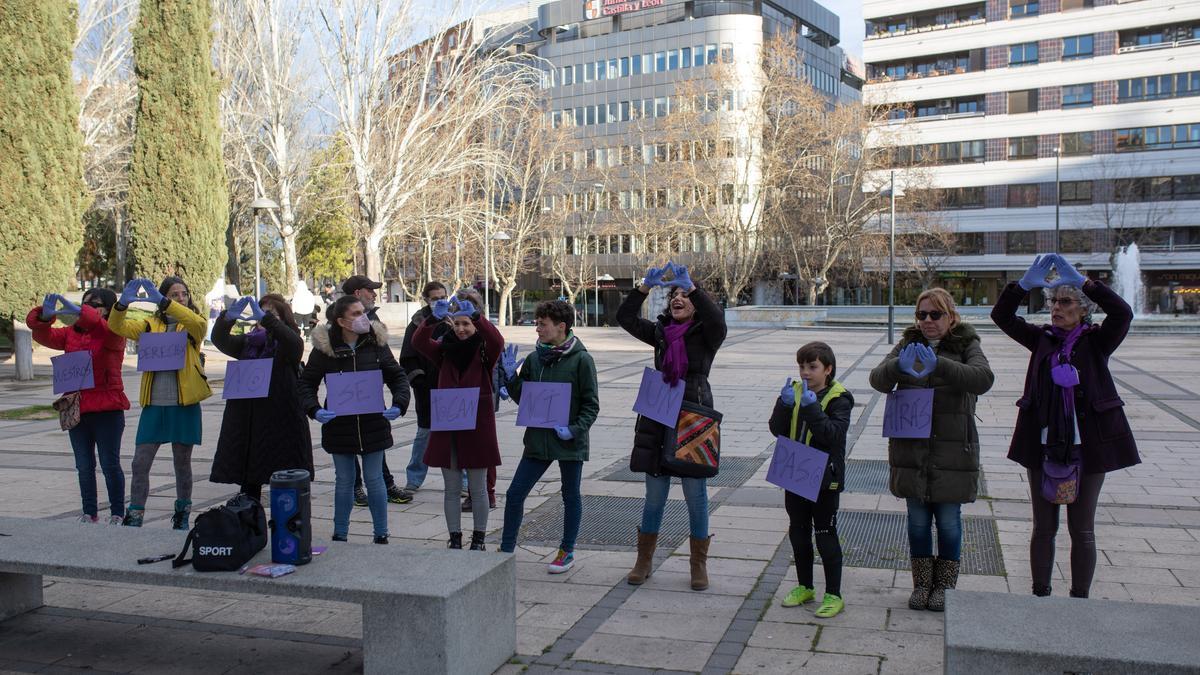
487,264
1057,195
891,332
258,205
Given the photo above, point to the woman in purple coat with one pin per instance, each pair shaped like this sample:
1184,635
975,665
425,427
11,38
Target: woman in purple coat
1070,414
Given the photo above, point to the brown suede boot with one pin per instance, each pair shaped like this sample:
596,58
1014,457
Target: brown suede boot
645,558
699,562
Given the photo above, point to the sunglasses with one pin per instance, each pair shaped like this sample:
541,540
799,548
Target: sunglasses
935,315
1065,301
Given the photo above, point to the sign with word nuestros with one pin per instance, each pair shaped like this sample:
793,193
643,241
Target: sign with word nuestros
249,378
594,9
453,409
908,414
161,351
545,405
797,468
354,393
658,400
73,372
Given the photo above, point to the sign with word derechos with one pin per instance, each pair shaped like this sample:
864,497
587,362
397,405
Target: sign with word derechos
908,414
658,400
73,372
161,351
545,405
355,393
248,378
453,409
797,468
594,9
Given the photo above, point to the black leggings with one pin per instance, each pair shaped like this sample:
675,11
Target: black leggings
822,516
1081,523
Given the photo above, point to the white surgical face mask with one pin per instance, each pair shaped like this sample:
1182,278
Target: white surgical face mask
361,324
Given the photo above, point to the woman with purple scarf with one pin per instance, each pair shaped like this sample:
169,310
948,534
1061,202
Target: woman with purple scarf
260,436
1071,429
685,339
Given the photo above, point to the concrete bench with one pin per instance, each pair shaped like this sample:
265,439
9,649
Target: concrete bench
999,633
424,610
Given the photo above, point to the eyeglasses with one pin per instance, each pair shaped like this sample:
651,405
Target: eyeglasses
935,315
1064,301
95,305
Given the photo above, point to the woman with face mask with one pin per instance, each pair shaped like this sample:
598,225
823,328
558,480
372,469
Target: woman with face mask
102,407
260,436
352,342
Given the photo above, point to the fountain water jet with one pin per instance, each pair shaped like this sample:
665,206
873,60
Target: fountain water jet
1127,272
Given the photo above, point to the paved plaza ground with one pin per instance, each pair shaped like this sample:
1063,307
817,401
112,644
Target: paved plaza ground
590,620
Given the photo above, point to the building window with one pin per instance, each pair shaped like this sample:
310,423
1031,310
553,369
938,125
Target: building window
673,59
1075,192
1077,4
1076,241
660,62
1157,188
1159,86
568,75
1077,47
1021,8
1022,196
685,57
1022,147
1158,138
726,52
1077,96
963,198
1020,242
1078,143
1023,54
711,54
1022,101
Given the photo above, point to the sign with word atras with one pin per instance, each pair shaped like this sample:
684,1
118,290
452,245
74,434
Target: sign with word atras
594,9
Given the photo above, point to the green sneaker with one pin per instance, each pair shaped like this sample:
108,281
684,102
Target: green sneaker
830,607
799,596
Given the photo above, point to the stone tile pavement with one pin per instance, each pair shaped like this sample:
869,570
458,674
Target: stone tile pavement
589,620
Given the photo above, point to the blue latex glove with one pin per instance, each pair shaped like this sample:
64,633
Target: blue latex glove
465,308
807,396
1067,274
928,359
564,433
391,413
68,307
1035,276
256,312
238,308
788,395
908,359
324,416
503,393
441,309
152,294
508,361
129,294
681,280
49,306
654,276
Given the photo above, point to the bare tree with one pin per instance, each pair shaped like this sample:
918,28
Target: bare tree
1129,207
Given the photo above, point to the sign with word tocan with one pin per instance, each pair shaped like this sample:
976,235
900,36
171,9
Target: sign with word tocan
453,409
594,9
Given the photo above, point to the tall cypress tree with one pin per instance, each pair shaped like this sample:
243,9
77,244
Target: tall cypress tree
178,193
42,193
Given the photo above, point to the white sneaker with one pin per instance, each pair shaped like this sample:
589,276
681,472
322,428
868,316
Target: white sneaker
116,520
85,519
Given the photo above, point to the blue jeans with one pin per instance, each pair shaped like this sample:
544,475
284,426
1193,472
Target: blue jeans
695,491
529,471
921,516
416,469
343,492
99,433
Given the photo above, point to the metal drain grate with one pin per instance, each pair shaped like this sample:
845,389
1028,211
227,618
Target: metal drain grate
880,540
607,522
734,472
871,476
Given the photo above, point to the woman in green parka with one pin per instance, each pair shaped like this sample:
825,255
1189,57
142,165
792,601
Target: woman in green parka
937,475
560,357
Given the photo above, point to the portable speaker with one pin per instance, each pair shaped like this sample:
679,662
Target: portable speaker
291,512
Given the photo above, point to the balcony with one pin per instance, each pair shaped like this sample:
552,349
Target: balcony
924,29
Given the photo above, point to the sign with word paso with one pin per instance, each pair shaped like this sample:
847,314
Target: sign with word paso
908,414
161,351
354,393
594,9
249,378
658,400
73,372
453,409
797,468
545,405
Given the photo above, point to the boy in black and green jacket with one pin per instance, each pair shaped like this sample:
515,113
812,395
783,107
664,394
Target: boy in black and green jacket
816,411
559,357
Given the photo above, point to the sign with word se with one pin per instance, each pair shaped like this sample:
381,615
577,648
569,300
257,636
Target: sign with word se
355,393
248,378
658,400
544,405
797,468
73,372
908,414
453,409
161,351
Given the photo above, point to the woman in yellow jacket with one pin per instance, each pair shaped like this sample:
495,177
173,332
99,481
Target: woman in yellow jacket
170,399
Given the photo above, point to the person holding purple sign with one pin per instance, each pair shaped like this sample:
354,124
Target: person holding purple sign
816,412
260,436
464,357
170,399
102,407
685,340
938,474
352,343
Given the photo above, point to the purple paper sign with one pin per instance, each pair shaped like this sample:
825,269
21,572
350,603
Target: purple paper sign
250,378
797,468
73,372
161,351
545,405
657,400
355,393
453,409
908,414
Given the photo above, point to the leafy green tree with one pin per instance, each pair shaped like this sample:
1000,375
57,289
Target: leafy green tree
326,242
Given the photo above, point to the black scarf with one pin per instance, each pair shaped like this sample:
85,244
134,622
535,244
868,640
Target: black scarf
1056,405
461,352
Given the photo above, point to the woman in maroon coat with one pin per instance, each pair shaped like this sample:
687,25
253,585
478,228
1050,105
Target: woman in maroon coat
464,357
1072,416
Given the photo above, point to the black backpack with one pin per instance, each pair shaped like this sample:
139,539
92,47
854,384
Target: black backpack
225,537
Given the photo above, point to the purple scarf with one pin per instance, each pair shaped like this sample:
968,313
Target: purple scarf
675,358
1059,418
258,345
